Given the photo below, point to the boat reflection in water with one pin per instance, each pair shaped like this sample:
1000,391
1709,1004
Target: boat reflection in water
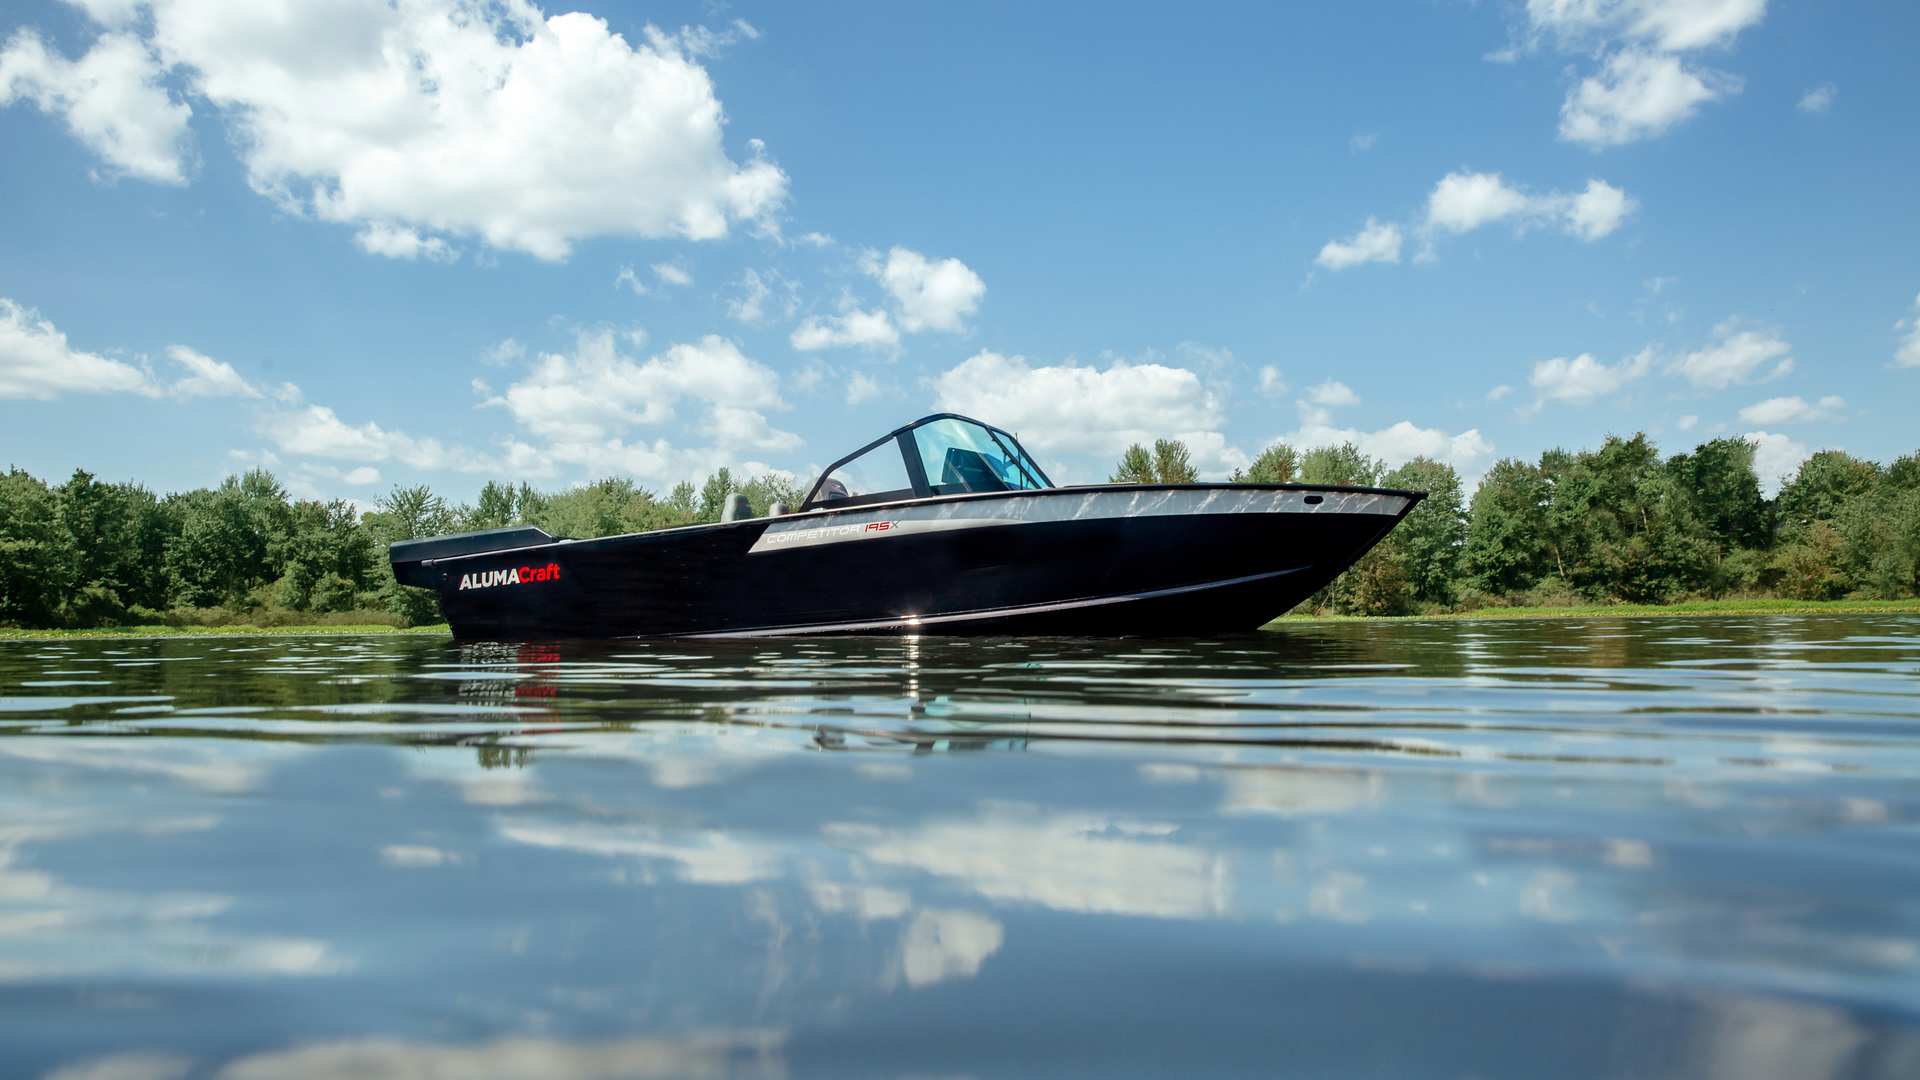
943,526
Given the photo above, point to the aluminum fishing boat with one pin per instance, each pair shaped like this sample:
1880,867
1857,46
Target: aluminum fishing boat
946,525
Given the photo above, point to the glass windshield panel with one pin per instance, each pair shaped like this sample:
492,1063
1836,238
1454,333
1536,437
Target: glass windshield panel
959,457
878,472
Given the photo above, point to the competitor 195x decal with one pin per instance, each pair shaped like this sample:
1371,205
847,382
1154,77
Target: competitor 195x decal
521,575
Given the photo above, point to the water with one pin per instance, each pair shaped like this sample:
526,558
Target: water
1590,847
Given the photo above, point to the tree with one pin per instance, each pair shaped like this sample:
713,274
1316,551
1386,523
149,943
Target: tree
37,557
713,494
1432,540
1825,483
1345,465
1136,467
1277,464
1506,549
408,513
1719,477
1169,462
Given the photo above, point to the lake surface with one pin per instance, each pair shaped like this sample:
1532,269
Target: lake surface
1602,847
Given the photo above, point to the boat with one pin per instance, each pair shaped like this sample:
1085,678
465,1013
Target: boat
945,525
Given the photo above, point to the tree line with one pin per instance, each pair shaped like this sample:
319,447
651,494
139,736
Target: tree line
88,553
1617,523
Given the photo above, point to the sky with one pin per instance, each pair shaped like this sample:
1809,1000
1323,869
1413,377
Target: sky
366,243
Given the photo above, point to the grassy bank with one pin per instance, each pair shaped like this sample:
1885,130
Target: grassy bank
213,631
1613,611
1642,611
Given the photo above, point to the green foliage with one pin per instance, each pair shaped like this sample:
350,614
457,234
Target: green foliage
1169,462
1277,464
38,559
1507,529
1340,466
1431,542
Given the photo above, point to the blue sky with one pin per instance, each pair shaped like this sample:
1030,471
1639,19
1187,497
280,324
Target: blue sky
373,243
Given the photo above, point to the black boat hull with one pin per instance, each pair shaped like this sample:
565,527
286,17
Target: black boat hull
1119,559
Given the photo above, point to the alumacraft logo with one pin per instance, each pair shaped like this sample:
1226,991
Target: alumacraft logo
518,575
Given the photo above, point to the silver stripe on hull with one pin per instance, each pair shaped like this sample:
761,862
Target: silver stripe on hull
908,623
843,526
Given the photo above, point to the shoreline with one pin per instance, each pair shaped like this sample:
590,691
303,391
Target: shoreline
1686,609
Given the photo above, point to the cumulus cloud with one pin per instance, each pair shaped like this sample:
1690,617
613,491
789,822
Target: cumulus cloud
207,377
1075,408
1638,95
1272,383
317,431
1644,86
112,99
401,242
1332,394
1907,353
860,389
929,294
37,362
1375,242
1792,410
1582,379
854,329
597,392
1819,99
1464,201
672,273
424,120
1499,392
1775,458
1669,25
1739,356
1468,451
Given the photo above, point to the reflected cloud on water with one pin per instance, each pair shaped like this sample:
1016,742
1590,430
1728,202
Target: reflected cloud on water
853,856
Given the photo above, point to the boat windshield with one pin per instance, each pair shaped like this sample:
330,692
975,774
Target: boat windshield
960,456
942,454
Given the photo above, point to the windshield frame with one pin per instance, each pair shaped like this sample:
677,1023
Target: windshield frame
909,450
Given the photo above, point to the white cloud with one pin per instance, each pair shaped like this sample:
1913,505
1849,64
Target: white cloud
1499,392
528,132
1272,383
1468,451
207,377
855,329
1907,354
317,431
1740,356
1775,458
1081,409
1689,422
1583,379
629,279
1819,99
931,294
1363,141
1598,210
1638,95
503,352
672,273
1669,25
860,389
597,393
112,99
1464,201
1792,410
401,242
1375,242
36,362
1332,394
